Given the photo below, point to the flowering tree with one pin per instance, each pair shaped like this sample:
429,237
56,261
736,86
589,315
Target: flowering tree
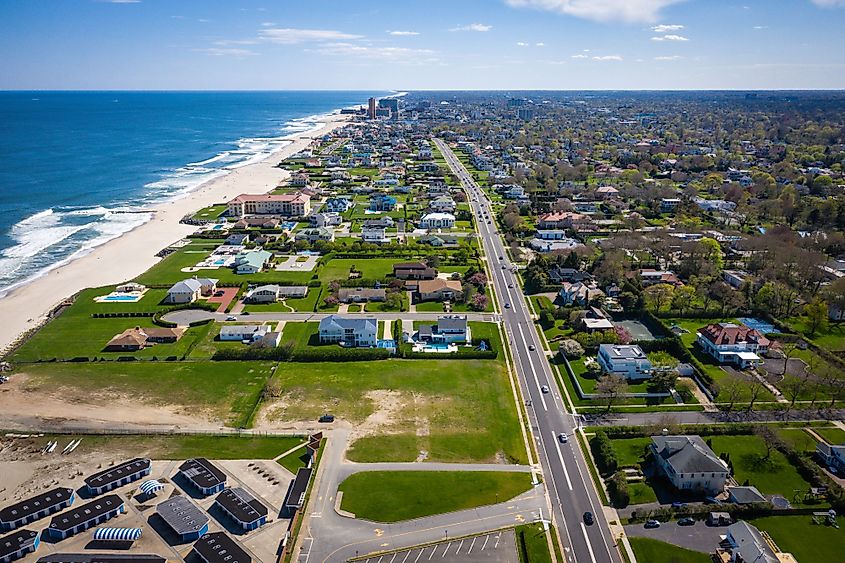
623,334
479,302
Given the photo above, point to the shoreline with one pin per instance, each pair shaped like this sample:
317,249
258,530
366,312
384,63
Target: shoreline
26,306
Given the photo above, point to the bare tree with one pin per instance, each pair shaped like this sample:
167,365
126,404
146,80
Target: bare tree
733,387
769,438
611,388
755,387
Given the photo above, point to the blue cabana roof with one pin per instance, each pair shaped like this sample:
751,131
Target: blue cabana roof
150,487
117,534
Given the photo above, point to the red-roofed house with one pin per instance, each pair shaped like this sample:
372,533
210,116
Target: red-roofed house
734,344
562,220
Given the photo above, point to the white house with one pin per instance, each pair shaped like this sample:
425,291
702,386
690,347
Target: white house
326,219
240,333
627,360
252,262
729,343
188,291
271,293
443,204
449,328
338,204
689,464
349,331
315,234
831,456
515,192
372,233
437,221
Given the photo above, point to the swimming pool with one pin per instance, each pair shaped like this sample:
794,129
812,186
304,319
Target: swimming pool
120,298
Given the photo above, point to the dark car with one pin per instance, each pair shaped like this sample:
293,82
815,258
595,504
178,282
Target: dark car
588,518
326,418
686,521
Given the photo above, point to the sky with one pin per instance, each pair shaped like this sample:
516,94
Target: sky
422,45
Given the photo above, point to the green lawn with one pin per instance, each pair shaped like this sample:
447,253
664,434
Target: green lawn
832,338
177,446
833,436
803,539
405,495
798,439
294,460
225,391
532,544
455,410
771,476
371,269
648,550
210,213
630,451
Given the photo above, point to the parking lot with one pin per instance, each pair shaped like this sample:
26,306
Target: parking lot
496,547
699,537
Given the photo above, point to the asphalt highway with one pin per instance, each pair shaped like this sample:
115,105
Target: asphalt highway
567,477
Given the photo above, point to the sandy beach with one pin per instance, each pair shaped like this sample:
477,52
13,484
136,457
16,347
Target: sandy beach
134,252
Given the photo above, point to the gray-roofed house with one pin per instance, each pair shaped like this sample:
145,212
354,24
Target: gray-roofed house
271,293
449,328
746,544
189,290
118,475
35,507
17,545
240,333
745,495
203,475
217,547
184,518
349,331
689,464
360,294
247,511
252,262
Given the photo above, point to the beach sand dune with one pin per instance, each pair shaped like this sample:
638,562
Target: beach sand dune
135,252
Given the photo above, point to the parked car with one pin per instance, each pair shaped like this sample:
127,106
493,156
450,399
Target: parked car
686,521
563,438
588,518
652,524
326,418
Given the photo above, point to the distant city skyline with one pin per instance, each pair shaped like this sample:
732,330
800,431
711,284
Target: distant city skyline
403,45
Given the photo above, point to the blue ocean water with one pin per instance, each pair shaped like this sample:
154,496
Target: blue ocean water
72,164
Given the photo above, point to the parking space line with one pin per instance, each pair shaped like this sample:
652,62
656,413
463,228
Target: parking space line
394,557
408,554
445,551
486,539
472,544
498,537
460,545
419,555
433,549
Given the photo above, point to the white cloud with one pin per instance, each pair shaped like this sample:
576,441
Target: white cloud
601,10
522,44
607,58
665,28
390,54
828,3
580,56
758,27
539,44
403,33
670,38
290,36
667,58
222,52
473,27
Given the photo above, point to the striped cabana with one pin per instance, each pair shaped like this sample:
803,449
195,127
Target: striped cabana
151,487
117,534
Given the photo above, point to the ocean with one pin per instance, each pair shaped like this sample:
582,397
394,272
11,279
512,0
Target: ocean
77,169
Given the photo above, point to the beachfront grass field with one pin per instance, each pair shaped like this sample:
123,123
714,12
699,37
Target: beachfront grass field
455,410
76,334
404,495
225,391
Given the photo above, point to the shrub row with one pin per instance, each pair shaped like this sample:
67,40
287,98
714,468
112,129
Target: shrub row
121,315
321,354
737,428
617,489
604,453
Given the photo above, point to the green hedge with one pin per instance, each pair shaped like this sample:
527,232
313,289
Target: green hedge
338,354
604,453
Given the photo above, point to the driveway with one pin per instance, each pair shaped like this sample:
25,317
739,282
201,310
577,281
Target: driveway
229,293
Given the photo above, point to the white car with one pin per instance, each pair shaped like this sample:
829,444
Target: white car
544,388
231,318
